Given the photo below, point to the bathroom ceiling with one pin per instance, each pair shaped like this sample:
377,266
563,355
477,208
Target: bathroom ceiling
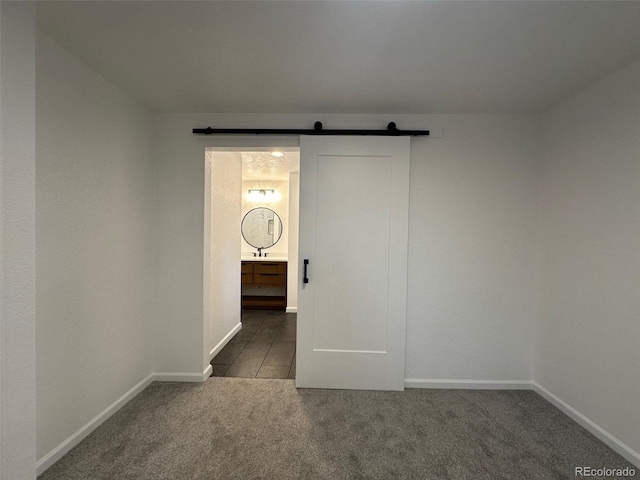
348,56
264,166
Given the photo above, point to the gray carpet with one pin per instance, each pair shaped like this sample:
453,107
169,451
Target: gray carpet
230,428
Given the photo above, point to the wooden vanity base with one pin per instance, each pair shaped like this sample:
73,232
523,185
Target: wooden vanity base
257,276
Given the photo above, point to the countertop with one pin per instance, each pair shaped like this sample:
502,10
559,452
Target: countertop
275,258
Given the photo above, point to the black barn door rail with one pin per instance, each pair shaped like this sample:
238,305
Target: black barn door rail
391,131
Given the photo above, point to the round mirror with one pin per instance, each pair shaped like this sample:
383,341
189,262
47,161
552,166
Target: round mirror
261,227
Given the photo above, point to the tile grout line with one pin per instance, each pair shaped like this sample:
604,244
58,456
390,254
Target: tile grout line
265,356
270,346
291,364
243,348
254,334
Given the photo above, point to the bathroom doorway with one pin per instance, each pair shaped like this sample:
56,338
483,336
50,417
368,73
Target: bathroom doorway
251,262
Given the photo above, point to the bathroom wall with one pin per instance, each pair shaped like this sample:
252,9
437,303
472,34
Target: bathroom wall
223,205
280,205
292,266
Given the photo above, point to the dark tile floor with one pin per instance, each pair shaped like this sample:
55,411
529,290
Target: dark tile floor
264,348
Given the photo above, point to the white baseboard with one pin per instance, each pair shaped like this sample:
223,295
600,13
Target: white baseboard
58,452
224,341
607,438
469,384
291,310
612,442
183,377
615,444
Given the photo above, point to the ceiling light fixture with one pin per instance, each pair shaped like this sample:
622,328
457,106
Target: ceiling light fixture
277,154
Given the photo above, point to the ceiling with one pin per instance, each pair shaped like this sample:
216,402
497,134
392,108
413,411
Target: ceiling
264,166
348,56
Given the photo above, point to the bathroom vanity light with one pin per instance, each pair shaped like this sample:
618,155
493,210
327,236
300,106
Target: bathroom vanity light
261,194
261,191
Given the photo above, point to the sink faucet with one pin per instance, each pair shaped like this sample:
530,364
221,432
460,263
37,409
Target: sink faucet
259,252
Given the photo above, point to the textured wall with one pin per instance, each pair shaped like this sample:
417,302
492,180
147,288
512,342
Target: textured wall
588,330
472,238
222,242
95,244
17,242
292,265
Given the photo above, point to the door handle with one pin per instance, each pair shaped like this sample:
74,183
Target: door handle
305,279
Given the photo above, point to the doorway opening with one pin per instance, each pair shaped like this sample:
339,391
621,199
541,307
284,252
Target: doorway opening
251,262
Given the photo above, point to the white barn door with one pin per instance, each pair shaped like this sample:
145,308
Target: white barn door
354,211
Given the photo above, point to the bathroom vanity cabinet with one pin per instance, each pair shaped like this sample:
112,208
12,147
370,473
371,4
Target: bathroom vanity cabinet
264,285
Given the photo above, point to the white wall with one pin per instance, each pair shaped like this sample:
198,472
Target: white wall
179,232
472,238
223,207
94,244
17,242
588,330
280,206
292,257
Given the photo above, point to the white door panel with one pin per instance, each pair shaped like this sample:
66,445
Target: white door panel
353,230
